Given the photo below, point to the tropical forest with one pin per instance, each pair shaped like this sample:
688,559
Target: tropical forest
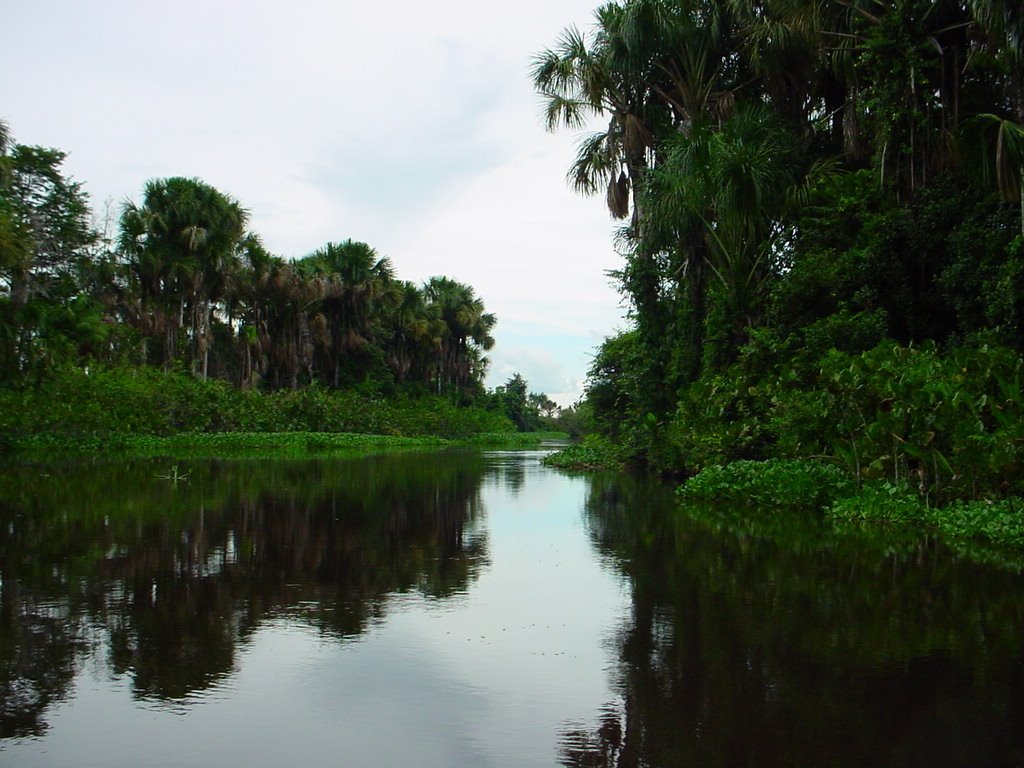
170,316
823,231
264,502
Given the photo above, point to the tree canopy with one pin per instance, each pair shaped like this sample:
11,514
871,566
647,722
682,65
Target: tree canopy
185,285
795,179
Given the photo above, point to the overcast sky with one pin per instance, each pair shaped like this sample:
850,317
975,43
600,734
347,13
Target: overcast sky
409,125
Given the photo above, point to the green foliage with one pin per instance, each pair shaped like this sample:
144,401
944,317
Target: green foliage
617,394
950,425
74,408
576,421
511,399
997,521
881,501
993,522
812,269
592,453
44,239
929,268
775,483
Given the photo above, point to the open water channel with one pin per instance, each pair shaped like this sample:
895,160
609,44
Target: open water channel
470,608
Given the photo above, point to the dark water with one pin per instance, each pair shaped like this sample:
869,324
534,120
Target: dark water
476,609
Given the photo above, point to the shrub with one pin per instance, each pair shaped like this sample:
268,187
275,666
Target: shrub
592,453
774,483
881,501
1000,522
75,407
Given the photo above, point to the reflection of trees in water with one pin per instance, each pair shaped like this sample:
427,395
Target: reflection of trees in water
175,577
514,476
36,661
788,642
508,471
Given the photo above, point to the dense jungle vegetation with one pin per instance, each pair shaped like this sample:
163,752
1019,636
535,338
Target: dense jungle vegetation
823,233
171,316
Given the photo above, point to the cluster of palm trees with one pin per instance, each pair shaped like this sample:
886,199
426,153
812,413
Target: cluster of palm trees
723,114
184,285
338,316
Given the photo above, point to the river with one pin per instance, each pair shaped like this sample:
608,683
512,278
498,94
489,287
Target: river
474,608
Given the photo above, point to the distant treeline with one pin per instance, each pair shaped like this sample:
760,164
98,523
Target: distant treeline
179,282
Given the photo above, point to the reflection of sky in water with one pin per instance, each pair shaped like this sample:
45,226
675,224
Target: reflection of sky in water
487,678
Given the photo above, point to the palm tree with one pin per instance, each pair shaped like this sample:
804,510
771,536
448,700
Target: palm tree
655,69
797,51
355,281
996,147
180,242
288,297
250,296
721,195
608,76
414,331
1002,25
466,336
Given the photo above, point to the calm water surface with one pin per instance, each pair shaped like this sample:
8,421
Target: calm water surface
477,609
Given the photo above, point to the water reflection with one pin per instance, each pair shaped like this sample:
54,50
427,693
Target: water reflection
169,579
730,639
772,641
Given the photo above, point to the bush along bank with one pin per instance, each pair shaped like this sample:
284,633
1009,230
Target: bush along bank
778,485
102,409
592,453
900,435
950,426
907,434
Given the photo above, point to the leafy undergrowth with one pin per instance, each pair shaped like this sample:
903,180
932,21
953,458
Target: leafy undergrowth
777,483
996,521
76,407
592,453
808,485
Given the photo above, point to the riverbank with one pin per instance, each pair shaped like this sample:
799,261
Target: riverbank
777,486
258,444
147,412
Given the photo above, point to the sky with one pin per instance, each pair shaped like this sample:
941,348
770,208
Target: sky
409,125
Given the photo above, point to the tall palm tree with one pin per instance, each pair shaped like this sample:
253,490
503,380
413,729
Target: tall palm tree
1001,23
722,193
467,334
608,76
356,280
180,242
995,146
655,68
414,331
250,296
289,345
